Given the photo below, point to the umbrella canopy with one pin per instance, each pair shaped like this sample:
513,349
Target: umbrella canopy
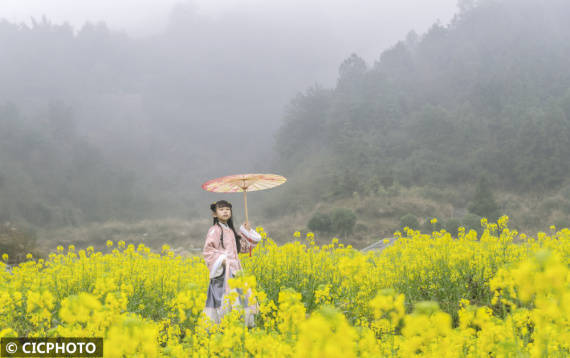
243,182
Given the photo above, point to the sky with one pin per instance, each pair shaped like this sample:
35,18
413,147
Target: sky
366,27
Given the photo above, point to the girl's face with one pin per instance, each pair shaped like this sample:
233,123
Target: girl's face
223,214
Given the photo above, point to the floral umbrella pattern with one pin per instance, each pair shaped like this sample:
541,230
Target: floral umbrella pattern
243,182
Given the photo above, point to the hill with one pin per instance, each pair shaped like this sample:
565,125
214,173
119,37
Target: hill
486,96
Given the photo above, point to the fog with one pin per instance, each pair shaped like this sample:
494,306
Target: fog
177,92
363,26
424,143
118,111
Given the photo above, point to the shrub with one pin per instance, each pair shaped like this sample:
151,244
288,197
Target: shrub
483,203
16,242
471,222
429,227
360,227
343,221
410,221
452,225
320,222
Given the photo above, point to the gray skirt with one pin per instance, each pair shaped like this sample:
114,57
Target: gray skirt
216,291
214,302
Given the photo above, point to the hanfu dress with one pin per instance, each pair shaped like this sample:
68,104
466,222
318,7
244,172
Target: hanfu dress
214,254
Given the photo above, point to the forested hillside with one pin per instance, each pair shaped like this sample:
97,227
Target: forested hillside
96,125
50,176
488,95
158,115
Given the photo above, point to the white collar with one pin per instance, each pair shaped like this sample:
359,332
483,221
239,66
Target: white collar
223,224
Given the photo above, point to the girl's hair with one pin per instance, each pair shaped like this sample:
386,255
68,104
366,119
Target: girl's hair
230,222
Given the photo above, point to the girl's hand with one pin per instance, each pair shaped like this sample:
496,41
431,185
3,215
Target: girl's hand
246,225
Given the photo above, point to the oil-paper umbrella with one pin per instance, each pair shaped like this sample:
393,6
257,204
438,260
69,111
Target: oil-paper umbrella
243,182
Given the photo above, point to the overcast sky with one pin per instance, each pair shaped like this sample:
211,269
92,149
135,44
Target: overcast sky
363,26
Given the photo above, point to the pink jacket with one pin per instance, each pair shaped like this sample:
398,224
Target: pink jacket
214,253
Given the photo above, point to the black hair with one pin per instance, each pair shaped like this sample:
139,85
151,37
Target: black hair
230,222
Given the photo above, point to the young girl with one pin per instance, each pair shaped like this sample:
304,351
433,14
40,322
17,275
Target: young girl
221,255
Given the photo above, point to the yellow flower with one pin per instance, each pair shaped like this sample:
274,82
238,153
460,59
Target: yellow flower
297,234
109,243
507,296
503,221
5,257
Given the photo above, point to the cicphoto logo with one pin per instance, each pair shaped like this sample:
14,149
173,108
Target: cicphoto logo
51,347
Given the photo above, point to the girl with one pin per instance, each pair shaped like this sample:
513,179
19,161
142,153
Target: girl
221,255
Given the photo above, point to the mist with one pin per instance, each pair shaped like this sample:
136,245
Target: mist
197,88
119,111
417,177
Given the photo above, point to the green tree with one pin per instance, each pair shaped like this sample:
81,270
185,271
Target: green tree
410,221
484,203
471,222
343,221
16,242
320,222
452,225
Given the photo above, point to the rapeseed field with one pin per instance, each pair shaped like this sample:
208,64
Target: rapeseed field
498,294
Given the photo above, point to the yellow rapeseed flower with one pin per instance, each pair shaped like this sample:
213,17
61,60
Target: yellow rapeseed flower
508,295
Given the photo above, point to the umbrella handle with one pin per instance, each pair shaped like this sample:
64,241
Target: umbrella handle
245,204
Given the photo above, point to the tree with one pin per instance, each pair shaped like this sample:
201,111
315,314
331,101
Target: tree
466,5
484,203
471,222
410,221
320,222
452,225
16,242
343,221
354,66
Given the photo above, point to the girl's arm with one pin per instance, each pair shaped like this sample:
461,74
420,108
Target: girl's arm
249,238
214,255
